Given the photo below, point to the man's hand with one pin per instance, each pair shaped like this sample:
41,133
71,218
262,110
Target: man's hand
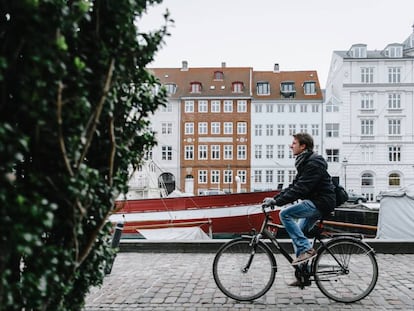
269,202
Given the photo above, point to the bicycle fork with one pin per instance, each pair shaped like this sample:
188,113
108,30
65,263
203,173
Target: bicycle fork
254,241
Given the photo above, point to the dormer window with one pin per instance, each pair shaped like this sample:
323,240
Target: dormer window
237,87
287,89
263,88
309,88
171,88
359,51
195,87
218,75
393,51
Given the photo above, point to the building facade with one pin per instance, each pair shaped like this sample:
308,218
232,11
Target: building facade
369,117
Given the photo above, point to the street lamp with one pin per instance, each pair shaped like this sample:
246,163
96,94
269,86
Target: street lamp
345,163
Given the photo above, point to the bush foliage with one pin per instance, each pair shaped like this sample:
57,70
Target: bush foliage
75,97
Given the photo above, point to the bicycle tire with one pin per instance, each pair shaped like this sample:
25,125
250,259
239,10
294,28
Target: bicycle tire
360,276
229,273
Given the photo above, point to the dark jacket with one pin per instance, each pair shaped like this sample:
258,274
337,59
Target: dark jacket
312,182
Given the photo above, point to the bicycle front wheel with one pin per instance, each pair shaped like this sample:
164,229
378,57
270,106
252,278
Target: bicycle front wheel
243,270
346,270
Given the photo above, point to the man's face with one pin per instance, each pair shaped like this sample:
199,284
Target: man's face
296,147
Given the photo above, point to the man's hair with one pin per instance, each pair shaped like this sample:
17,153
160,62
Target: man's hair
304,139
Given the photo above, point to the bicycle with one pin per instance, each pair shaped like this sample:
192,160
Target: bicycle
345,268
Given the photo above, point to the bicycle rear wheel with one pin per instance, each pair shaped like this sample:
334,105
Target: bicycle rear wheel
243,271
346,270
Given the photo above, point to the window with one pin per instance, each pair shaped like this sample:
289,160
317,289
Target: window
241,106
394,75
215,106
269,129
237,87
218,75
189,152
394,101
189,128
202,106
166,153
269,151
332,155
280,130
315,107
242,175
291,176
215,128
166,128
202,177
202,152
280,151
241,128
394,153
195,87
367,153
367,101
257,151
241,152
367,74
269,108
171,88
258,176
287,89
359,51
202,128
315,129
309,88
367,127
394,179
280,108
367,179
292,108
332,106
258,108
257,130
167,108
215,176
228,152
189,106
303,128
215,152
394,127
228,176
280,176
263,88
292,129
228,106
228,128
269,176
393,51
303,108
332,129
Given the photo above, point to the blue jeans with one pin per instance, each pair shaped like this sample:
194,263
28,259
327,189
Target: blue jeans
308,214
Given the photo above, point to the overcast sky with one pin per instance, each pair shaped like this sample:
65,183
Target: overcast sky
296,34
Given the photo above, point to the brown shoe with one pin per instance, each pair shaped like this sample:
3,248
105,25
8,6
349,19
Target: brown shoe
309,254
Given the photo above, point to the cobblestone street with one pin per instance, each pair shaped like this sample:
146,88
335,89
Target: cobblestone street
184,281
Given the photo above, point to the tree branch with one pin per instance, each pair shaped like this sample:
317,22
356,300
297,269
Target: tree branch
60,131
97,113
112,151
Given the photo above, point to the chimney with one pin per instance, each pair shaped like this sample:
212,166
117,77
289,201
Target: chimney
184,66
276,68
223,64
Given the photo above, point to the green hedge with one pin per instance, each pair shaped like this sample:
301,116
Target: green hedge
75,97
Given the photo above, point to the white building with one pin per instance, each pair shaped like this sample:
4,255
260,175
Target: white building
369,117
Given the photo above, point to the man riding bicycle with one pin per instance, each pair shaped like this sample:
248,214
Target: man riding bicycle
313,186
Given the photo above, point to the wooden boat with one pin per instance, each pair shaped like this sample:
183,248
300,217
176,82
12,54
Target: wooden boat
220,216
